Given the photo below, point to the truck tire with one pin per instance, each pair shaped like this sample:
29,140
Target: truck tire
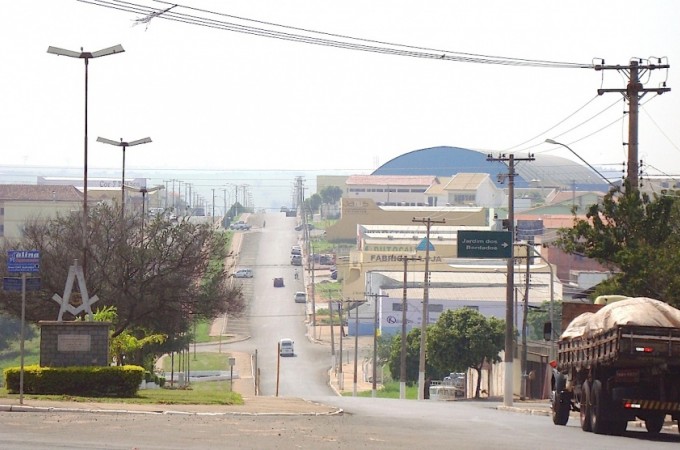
584,407
560,405
597,422
654,423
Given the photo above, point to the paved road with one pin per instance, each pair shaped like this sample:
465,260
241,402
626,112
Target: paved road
272,313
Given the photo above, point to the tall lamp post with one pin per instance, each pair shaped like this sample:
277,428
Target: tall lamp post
551,141
125,145
85,56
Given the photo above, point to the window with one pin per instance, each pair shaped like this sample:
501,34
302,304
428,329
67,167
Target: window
435,308
397,307
2,229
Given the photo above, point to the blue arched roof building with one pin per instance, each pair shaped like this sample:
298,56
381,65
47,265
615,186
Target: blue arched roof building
543,171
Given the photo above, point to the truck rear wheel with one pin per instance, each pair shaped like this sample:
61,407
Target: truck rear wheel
597,423
584,407
654,423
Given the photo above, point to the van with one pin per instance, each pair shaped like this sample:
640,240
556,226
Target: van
286,347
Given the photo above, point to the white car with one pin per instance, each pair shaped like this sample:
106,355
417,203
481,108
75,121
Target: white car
243,273
286,347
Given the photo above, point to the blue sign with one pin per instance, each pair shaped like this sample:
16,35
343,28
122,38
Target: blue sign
423,245
23,261
14,284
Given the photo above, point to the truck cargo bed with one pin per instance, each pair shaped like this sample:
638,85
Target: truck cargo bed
622,346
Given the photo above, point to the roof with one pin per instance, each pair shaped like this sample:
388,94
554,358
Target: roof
466,181
542,172
392,180
39,193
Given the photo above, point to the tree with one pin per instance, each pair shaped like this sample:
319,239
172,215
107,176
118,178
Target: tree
637,236
157,277
412,358
464,338
331,194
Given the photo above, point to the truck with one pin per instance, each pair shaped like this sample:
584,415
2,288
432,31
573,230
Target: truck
616,363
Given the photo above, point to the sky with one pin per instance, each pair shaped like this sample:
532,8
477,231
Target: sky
212,99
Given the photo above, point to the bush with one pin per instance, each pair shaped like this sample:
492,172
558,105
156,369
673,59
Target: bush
107,381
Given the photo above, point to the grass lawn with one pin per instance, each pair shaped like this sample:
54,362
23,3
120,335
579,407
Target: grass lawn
389,390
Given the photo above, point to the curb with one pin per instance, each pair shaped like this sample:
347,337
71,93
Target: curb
48,409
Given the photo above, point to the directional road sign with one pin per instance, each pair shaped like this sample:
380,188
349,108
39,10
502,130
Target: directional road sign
23,261
13,284
484,244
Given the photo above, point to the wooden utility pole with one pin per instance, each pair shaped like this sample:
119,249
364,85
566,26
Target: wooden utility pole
510,291
425,319
404,307
633,92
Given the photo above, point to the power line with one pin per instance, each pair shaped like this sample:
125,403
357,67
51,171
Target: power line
328,39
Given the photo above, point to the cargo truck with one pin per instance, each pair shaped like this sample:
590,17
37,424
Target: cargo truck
618,363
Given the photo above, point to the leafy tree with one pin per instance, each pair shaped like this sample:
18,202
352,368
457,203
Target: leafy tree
464,338
157,274
125,347
412,358
637,236
331,194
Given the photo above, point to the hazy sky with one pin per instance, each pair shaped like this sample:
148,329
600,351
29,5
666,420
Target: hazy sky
216,99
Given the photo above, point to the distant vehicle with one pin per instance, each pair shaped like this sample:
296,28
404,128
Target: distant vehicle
301,226
296,260
284,209
278,282
286,347
240,225
334,274
153,212
300,297
296,250
243,273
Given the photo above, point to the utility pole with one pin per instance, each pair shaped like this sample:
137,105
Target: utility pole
633,92
404,307
426,293
510,288
376,330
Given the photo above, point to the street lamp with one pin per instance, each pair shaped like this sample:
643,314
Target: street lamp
552,141
85,56
125,145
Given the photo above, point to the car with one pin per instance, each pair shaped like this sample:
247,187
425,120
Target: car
278,282
286,347
296,260
243,273
300,297
240,225
296,250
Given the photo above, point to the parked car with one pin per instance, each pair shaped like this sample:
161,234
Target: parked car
300,297
243,273
296,260
296,250
286,347
278,282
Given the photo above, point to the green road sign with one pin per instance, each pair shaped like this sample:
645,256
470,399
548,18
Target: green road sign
484,244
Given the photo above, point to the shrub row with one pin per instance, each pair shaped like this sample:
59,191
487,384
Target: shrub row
106,381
